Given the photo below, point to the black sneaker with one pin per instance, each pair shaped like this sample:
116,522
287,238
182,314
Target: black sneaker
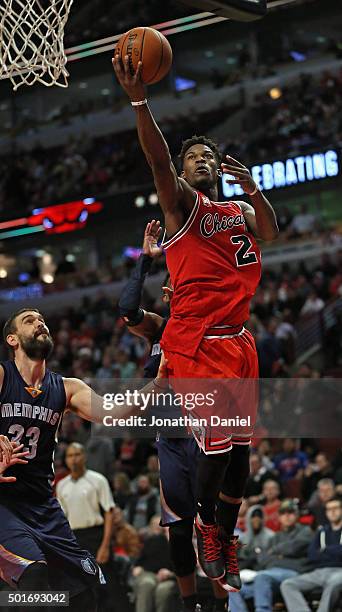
232,580
210,555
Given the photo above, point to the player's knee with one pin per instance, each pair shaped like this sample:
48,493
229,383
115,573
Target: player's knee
34,578
182,552
85,601
236,476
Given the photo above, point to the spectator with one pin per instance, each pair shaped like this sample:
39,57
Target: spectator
291,462
122,489
100,453
285,557
325,491
269,350
129,458
325,552
255,541
312,305
320,468
143,505
284,218
271,504
265,452
126,367
258,475
107,367
303,223
153,470
256,538
126,541
154,585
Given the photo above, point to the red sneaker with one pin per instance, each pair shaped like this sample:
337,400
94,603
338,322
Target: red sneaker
210,555
231,581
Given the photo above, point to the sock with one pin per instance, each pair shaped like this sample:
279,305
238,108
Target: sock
227,515
190,602
221,605
210,473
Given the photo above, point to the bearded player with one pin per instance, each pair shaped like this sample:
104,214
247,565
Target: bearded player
214,263
38,551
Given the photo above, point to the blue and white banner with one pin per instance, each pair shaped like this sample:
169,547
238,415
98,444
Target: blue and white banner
292,171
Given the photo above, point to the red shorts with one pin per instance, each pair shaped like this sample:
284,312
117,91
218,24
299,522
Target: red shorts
230,417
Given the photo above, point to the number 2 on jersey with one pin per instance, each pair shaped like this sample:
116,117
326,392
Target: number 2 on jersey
32,434
243,256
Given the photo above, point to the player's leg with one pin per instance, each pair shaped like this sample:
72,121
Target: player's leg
233,487
184,561
210,475
22,562
229,503
34,578
20,555
70,567
178,463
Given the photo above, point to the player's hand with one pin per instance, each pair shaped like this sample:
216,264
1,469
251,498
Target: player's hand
6,449
18,456
102,555
132,84
152,234
241,174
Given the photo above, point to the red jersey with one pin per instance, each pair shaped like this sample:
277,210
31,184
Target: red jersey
215,267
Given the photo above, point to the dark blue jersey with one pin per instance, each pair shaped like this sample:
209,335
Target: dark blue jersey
31,417
152,364
167,410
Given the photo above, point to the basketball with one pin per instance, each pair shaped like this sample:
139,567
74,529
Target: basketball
149,46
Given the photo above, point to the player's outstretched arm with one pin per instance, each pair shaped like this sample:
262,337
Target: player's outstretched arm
139,322
260,217
84,402
175,195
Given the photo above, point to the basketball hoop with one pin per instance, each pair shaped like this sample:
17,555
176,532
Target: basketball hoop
31,42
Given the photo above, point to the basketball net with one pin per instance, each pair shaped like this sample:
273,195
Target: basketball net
31,41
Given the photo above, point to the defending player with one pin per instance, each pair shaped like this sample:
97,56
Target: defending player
38,550
214,263
178,456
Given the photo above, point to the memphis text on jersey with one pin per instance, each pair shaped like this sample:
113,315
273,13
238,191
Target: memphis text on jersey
20,409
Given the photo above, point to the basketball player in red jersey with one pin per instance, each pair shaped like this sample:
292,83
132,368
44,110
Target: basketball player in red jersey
214,263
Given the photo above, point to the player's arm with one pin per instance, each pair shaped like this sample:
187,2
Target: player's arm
2,374
175,196
85,403
260,217
140,322
149,326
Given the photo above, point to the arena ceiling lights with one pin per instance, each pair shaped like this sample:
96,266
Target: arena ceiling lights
174,26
